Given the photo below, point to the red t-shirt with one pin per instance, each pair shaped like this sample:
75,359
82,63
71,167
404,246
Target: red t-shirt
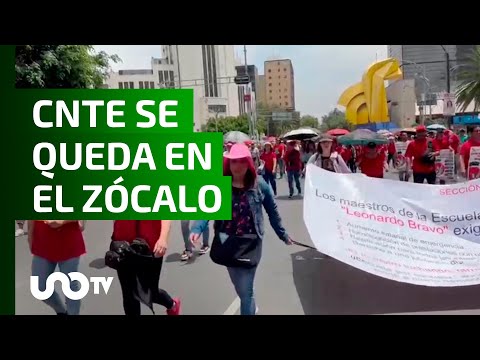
391,149
373,167
454,141
293,160
126,230
347,154
280,150
269,159
465,150
416,150
57,245
442,144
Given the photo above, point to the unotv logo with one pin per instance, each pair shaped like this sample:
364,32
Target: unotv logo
84,285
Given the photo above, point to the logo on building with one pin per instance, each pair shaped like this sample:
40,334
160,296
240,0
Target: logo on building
83,289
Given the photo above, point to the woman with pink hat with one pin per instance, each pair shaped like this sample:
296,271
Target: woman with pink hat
237,243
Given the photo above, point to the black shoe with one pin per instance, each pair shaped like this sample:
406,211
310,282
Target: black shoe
290,196
63,314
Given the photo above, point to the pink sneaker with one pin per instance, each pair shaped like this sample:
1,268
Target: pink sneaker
175,310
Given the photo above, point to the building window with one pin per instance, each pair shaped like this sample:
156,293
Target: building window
285,77
146,84
269,78
125,85
270,91
152,85
286,103
286,97
131,85
269,70
279,84
120,85
284,69
140,84
278,70
279,97
270,84
210,70
279,76
160,77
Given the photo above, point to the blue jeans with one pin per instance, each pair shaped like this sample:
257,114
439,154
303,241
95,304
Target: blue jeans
269,178
243,280
185,224
294,175
43,268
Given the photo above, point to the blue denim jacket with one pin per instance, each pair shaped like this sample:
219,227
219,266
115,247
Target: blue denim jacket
259,196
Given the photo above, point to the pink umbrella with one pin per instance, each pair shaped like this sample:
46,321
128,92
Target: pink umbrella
337,132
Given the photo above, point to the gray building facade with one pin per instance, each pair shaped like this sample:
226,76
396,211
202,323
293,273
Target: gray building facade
431,63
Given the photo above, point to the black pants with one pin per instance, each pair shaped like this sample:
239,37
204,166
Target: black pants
127,279
419,178
352,166
390,159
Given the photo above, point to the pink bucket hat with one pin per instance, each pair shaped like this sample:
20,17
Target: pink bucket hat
239,151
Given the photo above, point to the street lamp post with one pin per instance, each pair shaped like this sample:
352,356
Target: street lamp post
447,55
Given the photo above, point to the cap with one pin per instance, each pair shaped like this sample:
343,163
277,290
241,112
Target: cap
325,138
239,151
421,128
267,143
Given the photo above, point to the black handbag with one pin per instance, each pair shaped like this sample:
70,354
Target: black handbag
236,251
117,254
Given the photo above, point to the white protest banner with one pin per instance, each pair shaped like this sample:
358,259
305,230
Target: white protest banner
401,147
445,165
474,163
419,234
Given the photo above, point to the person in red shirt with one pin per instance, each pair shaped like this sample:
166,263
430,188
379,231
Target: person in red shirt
280,149
441,140
392,151
56,243
420,157
465,153
372,161
269,159
155,233
293,162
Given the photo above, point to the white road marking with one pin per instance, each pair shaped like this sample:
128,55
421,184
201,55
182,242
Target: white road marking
233,308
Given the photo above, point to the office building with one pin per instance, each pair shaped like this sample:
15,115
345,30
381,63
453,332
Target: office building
429,68
261,95
207,69
279,84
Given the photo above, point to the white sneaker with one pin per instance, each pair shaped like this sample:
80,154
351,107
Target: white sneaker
256,310
19,232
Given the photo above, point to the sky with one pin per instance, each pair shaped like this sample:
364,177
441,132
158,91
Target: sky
322,72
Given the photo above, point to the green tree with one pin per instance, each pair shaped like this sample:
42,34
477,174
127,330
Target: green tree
61,66
468,76
334,120
232,123
309,121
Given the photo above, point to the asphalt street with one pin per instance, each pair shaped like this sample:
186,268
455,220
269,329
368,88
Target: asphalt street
291,280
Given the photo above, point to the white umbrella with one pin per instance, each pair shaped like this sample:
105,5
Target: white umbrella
300,134
436,127
235,137
383,131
